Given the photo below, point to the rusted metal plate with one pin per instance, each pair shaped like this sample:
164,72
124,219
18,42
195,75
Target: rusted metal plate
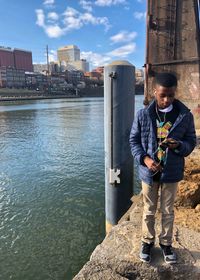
173,44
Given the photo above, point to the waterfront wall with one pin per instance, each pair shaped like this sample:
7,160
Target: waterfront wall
23,94
15,94
92,92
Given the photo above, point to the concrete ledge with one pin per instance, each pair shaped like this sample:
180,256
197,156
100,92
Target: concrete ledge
117,256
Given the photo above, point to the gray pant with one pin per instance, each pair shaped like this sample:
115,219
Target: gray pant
150,199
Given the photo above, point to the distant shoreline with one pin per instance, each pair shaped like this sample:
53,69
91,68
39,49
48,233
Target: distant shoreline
24,98
24,94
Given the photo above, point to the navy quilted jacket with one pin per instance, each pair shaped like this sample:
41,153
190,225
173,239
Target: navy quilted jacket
143,141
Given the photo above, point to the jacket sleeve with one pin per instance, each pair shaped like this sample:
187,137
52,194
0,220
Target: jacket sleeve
188,143
135,140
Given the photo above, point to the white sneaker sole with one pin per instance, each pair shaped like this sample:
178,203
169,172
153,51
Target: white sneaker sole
144,261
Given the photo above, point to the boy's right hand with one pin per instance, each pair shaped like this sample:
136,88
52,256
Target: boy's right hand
152,165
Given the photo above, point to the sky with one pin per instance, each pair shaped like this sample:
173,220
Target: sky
104,30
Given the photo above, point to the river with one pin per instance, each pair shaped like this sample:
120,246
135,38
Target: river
51,186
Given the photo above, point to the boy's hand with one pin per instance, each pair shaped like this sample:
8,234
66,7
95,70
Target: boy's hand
152,165
171,143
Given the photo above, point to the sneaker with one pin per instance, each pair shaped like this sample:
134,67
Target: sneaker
169,255
145,252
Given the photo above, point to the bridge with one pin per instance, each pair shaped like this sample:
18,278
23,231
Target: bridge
173,44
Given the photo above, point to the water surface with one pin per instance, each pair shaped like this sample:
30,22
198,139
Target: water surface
51,186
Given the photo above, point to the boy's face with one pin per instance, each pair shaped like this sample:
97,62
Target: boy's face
164,96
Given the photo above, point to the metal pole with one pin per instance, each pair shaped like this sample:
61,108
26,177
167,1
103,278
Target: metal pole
47,50
119,97
146,72
48,76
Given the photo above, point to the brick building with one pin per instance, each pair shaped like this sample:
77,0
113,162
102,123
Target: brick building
23,59
6,57
16,58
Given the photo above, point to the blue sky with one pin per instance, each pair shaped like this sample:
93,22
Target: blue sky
104,30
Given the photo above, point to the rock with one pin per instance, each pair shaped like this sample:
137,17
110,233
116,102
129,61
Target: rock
188,194
117,256
197,208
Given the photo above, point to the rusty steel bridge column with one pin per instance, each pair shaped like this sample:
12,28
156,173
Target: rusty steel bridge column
173,44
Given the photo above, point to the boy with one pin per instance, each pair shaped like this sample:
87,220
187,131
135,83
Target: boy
161,136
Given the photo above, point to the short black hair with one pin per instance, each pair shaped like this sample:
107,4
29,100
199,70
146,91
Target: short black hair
166,79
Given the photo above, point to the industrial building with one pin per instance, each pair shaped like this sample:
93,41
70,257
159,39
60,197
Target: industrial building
23,59
13,64
6,57
16,58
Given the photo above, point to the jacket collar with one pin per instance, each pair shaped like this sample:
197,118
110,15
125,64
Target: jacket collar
182,108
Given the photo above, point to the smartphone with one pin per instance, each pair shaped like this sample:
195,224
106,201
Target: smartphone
166,144
171,142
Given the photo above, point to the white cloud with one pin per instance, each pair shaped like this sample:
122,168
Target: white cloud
139,15
75,20
48,3
52,55
72,20
103,3
53,16
123,51
96,59
54,31
123,36
40,17
86,5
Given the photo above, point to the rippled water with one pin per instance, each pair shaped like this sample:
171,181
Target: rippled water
51,186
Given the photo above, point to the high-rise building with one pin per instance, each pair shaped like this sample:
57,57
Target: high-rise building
139,76
41,68
68,54
23,60
18,59
81,65
69,59
6,57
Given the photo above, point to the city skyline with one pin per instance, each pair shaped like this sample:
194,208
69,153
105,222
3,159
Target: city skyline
104,30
